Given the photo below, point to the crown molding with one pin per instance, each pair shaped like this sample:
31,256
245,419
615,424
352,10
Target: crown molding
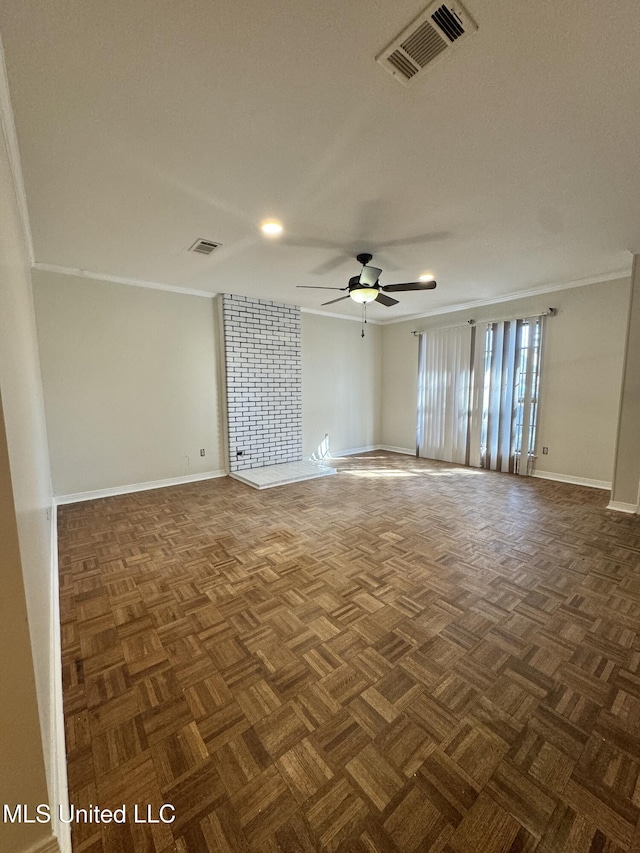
340,316
119,279
479,303
155,285
522,294
11,141
466,306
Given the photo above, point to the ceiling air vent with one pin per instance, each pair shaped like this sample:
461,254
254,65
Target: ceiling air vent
204,247
432,34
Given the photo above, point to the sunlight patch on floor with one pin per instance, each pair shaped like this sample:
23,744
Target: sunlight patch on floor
412,472
379,472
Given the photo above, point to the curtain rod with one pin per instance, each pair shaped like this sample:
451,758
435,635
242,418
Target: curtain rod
445,328
550,312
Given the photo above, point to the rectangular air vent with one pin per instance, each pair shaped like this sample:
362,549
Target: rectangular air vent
204,247
432,34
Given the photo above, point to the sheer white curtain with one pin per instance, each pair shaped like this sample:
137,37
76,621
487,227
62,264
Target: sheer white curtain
510,395
444,393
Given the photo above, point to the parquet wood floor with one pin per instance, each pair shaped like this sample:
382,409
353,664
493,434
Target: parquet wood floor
406,657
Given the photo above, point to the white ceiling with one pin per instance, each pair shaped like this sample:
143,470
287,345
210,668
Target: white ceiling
512,165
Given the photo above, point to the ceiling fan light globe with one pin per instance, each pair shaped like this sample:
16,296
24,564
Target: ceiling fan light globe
364,294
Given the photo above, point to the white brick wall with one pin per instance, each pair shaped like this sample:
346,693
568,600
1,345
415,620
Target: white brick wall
264,381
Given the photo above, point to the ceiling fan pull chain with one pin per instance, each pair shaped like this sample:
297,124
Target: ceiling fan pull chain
364,317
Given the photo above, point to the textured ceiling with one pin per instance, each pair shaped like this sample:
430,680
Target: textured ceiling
511,166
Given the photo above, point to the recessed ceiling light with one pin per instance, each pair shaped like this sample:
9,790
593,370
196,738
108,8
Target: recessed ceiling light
271,227
426,276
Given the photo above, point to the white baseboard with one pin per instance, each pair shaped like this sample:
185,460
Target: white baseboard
59,795
47,845
137,487
576,481
336,454
618,506
404,450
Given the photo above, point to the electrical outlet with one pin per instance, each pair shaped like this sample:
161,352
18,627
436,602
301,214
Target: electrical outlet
545,450
202,451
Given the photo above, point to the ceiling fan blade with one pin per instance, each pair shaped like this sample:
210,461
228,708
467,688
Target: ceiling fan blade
331,265
339,299
410,285
319,287
385,300
308,243
417,239
386,262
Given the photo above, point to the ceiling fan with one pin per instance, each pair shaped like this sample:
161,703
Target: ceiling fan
366,287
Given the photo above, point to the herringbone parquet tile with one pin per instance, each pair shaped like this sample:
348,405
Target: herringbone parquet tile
406,657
